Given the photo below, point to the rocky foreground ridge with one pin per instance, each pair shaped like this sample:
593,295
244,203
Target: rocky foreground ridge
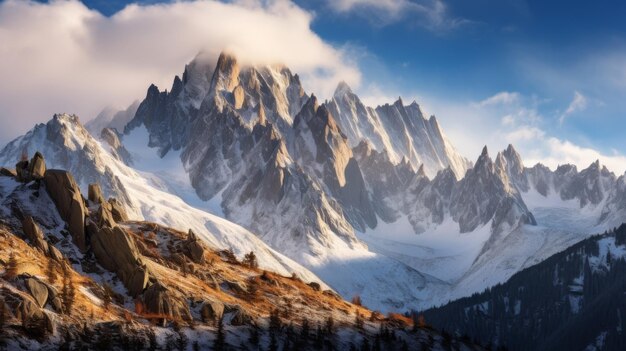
78,274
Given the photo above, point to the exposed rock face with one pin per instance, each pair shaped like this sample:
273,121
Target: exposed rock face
95,193
485,194
104,217
116,251
21,169
112,138
160,300
37,166
33,170
38,289
5,172
212,310
401,131
239,316
26,309
117,210
66,195
34,234
194,248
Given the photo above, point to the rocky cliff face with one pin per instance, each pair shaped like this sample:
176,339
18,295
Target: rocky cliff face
401,131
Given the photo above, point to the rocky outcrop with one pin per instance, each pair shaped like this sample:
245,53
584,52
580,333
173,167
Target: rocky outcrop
212,310
34,234
24,308
95,193
194,248
104,216
5,172
115,250
34,170
37,166
38,290
66,195
110,136
239,316
160,301
117,210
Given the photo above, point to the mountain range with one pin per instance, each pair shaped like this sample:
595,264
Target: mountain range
374,203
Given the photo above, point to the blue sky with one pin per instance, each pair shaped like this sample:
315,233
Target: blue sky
548,76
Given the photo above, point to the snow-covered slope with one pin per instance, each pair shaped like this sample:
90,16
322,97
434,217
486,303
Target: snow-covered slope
149,194
66,144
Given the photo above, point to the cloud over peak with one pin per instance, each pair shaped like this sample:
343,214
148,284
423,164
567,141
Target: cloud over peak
62,56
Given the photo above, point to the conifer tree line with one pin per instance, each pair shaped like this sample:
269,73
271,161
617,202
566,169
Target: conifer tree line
567,302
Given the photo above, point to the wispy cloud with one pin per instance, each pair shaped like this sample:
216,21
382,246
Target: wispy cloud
501,98
578,103
430,14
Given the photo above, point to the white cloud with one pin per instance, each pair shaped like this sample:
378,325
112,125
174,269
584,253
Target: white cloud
579,103
556,152
430,14
524,134
506,118
501,98
63,57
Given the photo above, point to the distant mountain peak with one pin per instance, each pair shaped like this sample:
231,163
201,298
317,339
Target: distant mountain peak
342,89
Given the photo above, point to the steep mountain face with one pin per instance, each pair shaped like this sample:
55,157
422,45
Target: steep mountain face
486,194
401,131
112,118
140,285
572,300
309,178
70,146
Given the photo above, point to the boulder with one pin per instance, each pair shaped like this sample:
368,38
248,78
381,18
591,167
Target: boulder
21,171
5,172
37,166
117,210
116,251
104,216
193,248
34,234
38,290
94,193
54,253
212,310
240,316
161,301
54,299
66,195
315,286
237,287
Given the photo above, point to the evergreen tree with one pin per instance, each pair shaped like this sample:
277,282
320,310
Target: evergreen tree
51,273
275,323
3,315
305,330
11,270
182,341
253,289
68,293
220,340
107,296
250,260
330,325
273,342
358,323
254,338
365,344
